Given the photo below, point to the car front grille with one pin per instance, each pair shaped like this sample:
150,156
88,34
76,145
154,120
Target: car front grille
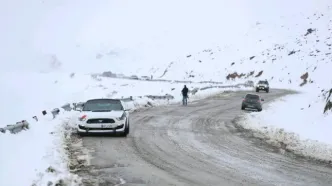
100,120
99,128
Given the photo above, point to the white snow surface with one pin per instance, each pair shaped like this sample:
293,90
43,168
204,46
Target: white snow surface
26,156
43,42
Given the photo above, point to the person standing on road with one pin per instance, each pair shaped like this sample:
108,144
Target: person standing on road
185,95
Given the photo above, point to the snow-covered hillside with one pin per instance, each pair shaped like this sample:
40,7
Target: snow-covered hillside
122,35
291,51
49,49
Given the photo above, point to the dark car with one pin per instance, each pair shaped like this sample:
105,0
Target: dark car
263,85
252,101
134,77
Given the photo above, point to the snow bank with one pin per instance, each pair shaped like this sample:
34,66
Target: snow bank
35,156
297,122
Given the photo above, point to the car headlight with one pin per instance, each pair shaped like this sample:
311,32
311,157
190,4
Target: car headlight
122,117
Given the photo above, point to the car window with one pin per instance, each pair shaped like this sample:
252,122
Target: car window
252,96
102,105
263,82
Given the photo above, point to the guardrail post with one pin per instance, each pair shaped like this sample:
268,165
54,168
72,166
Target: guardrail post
55,112
35,118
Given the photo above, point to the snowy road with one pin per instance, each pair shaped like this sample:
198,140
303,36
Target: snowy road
196,145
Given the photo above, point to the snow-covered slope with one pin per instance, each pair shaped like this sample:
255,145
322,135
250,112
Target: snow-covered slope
43,42
122,35
36,156
291,51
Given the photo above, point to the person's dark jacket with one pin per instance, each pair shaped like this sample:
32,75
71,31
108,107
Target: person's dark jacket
185,91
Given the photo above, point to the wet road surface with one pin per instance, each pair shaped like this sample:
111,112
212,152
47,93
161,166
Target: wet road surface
195,146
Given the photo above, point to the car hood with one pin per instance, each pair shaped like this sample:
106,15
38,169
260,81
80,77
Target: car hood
262,85
111,114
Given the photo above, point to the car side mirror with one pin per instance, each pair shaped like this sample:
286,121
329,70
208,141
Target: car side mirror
78,110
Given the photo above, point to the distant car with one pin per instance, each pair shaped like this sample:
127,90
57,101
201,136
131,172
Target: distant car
263,85
103,116
134,77
252,101
145,78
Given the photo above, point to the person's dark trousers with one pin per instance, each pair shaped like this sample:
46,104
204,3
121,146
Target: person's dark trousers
184,100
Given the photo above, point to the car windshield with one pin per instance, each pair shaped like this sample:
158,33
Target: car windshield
262,82
252,96
101,105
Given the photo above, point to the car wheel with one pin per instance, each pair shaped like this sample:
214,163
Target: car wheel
243,108
257,90
259,110
267,91
126,131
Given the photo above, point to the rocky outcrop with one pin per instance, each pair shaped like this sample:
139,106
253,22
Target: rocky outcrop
304,77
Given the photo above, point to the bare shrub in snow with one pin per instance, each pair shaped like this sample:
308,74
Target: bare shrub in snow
250,74
304,77
328,105
50,169
234,75
259,74
252,57
309,31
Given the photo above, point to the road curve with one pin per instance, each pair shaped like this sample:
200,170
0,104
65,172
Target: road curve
195,146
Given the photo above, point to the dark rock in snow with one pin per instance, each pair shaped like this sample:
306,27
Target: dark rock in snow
309,31
259,73
292,52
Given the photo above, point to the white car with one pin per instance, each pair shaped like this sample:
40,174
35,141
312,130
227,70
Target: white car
263,85
106,116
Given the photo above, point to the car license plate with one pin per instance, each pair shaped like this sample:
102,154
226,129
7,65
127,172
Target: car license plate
106,126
